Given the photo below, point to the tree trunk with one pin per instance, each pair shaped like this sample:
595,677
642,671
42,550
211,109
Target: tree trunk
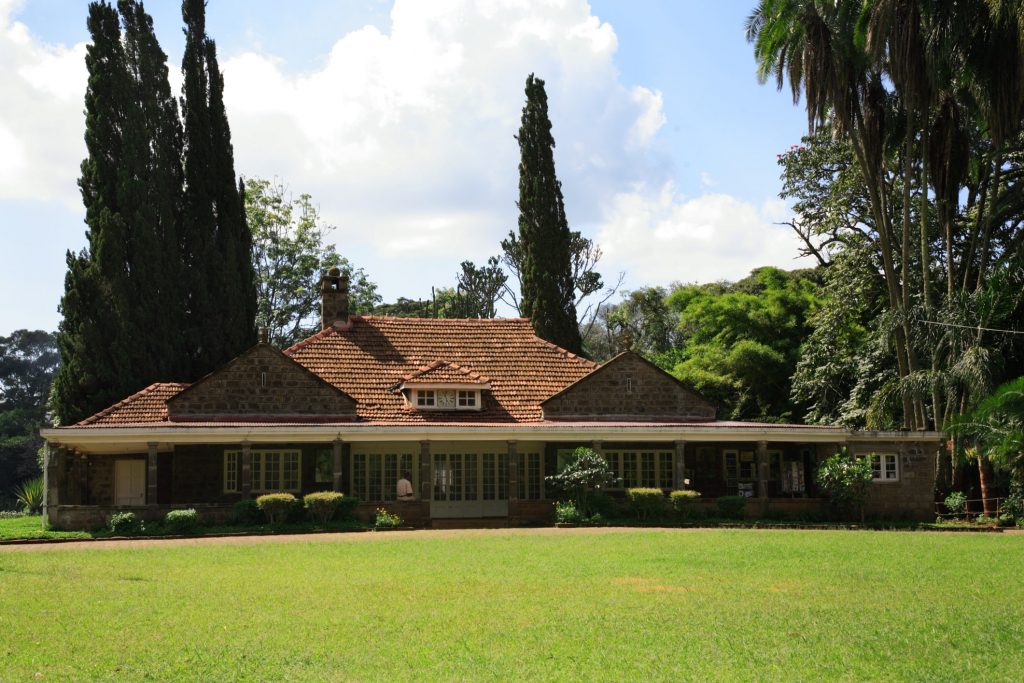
985,479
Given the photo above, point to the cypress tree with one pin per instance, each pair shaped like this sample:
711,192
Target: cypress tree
546,273
92,337
217,244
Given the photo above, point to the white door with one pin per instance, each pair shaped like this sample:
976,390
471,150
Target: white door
129,482
469,485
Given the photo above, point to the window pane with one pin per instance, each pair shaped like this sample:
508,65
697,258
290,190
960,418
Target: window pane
291,471
502,476
231,471
533,476
890,467
455,469
272,471
373,476
359,475
665,461
440,478
629,478
470,476
647,470
390,476
257,471
489,480
876,466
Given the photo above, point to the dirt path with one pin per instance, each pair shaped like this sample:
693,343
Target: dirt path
316,538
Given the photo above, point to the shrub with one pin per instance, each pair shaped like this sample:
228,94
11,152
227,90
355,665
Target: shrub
387,520
1014,503
586,473
248,513
731,507
11,514
602,505
1005,520
956,503
29,495
123,522
646,503
566,513
682,502
276,506
323,505
182,521
347,507
845,480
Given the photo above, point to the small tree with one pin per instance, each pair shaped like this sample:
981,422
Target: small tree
585,472
846,480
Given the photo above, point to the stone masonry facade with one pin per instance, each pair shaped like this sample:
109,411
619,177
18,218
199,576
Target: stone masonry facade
628,388
262,381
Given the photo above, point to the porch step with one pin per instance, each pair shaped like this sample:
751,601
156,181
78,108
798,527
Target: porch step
470,523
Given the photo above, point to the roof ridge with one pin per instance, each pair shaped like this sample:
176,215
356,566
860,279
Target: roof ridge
308,340
371,316
124,401
567,353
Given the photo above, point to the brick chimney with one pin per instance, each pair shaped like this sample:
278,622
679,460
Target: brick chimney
334,299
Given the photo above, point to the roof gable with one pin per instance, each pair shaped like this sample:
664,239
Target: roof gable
627,387
371,357
262,382
441,372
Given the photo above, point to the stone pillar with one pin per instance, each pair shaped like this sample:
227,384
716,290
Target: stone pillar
679,475
151,474
50,494
762,469
336,459
513,472
425,483
246,469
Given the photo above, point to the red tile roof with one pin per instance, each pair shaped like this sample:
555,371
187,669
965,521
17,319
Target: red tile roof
443,372
373,355
148,405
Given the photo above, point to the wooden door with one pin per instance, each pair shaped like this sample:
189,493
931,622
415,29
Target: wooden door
129,482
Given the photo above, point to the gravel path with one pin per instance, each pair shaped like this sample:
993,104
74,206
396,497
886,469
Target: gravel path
310,538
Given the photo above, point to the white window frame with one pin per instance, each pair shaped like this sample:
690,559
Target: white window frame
375,459
259,470
231,471
427,399
883,458
663,471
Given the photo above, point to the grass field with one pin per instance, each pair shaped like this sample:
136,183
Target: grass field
32,527
555,604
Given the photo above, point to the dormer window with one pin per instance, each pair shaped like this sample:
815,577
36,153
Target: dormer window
446,399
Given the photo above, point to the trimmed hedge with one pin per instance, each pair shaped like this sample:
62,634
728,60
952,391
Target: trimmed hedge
182,521
322,505
276,506
646,503
682,502
731,507
248,513
347,508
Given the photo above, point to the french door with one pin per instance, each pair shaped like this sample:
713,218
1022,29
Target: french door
468,483
129,482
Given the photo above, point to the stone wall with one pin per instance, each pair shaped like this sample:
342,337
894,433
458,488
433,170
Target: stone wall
529,512
913,495
261,382
628,388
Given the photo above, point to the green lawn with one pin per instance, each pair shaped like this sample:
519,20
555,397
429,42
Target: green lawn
32,527
724,604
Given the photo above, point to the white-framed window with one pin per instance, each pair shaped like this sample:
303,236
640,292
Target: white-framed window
648,468
231,461
272,470
531,483
885,467
375,473
447,399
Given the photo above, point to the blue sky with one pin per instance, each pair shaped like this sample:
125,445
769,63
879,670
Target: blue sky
399,120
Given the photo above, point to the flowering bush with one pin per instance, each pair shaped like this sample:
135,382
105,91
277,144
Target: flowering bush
387,520
846,480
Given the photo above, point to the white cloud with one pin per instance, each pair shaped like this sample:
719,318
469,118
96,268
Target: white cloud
658,236
40,114
404,136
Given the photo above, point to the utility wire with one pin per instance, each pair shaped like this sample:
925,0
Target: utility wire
972,327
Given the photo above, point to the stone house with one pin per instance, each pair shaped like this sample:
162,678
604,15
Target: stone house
478,412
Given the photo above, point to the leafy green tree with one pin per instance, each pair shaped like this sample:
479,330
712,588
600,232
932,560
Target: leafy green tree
545,241
481,287
995,429
740,342
28,361
846,481
585,472
218,244
121,305
290,256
